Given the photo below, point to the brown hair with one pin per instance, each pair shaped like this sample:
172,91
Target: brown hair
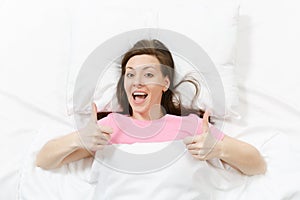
170,102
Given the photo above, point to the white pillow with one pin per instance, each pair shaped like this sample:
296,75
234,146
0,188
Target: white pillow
210,24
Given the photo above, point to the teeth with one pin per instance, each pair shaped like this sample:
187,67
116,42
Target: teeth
139,93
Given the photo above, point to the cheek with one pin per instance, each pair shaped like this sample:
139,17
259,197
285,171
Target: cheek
154,82
157,90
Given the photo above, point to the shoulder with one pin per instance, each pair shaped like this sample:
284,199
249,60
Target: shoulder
105,120
186,117
111,119
188,120
190,124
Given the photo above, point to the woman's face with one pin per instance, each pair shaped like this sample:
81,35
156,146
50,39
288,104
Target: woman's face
144,85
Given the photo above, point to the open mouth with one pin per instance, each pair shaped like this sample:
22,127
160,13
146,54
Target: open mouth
138,96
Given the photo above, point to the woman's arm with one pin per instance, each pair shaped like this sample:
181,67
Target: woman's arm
238,154
60,151
242,156
74,146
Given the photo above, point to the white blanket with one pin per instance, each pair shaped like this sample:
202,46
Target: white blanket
77,180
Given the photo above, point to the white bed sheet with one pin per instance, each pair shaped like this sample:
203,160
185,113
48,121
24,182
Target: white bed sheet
280,182
269,106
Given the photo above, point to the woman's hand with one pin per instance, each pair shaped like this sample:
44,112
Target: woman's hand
204,146
74,146
238,154
93,136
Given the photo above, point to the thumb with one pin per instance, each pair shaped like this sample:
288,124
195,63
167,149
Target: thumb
205,125
94,112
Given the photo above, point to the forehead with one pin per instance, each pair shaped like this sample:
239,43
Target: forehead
143,59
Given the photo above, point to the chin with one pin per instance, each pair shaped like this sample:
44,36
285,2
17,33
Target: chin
140,111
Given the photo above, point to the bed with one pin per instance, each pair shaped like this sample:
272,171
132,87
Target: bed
254,45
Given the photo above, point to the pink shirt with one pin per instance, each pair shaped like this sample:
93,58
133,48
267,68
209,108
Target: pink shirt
127,130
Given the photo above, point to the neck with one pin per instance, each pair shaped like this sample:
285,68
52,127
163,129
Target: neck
153,114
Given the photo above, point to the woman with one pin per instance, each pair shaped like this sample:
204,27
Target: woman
145,91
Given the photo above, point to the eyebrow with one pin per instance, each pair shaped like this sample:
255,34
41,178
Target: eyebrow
144,68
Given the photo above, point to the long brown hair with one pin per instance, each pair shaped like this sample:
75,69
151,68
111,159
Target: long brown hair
170,101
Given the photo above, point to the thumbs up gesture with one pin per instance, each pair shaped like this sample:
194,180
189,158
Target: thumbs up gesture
93,136
203,146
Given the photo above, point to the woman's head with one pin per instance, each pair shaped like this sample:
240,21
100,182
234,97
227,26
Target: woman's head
147,80
146,77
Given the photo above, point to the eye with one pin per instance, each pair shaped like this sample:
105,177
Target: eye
149,75
129,75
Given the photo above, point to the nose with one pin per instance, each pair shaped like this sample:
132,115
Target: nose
138,81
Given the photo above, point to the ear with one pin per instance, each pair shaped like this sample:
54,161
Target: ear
167,83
